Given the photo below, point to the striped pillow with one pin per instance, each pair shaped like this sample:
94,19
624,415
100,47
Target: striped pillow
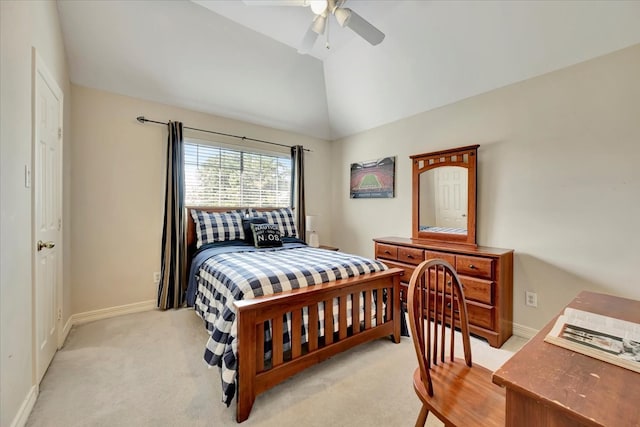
214,227
284,219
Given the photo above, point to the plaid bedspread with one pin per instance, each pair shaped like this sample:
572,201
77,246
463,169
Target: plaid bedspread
227,277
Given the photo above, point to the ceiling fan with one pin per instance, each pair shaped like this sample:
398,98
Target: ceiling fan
323,9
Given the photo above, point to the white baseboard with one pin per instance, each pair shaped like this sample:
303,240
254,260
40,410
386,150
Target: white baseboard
524,331
105,313
62,337
76,319
25,409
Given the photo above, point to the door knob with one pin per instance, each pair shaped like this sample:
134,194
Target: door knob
47,245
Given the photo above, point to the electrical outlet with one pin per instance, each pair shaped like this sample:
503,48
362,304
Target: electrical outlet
59,314
531,299
156,277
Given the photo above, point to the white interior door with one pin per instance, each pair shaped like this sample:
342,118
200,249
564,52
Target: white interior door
47,205
451,187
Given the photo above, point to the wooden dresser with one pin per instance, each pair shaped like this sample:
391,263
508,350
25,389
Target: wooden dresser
486,275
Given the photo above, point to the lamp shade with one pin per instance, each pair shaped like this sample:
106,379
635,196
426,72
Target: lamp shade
311,222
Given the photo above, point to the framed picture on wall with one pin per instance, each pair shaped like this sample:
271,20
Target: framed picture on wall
374,179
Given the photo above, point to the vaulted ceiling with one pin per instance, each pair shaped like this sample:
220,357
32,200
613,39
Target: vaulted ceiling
239,60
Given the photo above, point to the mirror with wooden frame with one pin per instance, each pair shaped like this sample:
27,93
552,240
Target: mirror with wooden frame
444,195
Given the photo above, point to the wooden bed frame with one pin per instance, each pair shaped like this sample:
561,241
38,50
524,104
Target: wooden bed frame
254,376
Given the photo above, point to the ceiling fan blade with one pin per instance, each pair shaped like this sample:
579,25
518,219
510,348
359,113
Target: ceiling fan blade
308,40
348,18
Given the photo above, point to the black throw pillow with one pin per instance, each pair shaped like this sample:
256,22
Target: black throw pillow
266,235
246,224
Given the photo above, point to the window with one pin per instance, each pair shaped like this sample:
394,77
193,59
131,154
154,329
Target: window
225,177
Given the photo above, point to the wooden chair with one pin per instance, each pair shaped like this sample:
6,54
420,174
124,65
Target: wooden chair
457,392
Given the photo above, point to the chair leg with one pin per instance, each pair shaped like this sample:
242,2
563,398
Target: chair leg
422,418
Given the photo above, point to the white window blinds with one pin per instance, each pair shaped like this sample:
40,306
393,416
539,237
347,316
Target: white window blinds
224,177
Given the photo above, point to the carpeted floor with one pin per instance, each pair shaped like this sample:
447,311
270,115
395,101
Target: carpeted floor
146,369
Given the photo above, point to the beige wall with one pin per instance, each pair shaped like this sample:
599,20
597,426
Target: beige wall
118,191
558,182
23,25
558,179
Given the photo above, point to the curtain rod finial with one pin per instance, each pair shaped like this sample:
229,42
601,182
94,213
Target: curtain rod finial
141,119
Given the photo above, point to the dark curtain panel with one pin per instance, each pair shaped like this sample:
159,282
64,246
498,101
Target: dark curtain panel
172,274
297,189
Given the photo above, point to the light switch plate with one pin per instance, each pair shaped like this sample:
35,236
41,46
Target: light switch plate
27,176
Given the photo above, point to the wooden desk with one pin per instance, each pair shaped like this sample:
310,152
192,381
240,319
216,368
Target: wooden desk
549,386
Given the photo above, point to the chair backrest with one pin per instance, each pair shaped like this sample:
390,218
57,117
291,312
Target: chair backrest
436,299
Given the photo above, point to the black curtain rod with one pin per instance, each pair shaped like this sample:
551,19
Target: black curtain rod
143,120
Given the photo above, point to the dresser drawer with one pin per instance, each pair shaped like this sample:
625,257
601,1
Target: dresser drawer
474,289
386,251
477,289
480,315
451,259
410,255
404,291
407,269
475,266
440,281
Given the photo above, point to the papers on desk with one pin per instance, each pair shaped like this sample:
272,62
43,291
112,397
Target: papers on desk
612,340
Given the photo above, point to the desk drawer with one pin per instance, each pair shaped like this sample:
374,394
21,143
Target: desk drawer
475,266
410,255
386,251
477,289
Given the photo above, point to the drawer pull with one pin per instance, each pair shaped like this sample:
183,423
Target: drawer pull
410,256
387,252
449,307
471,266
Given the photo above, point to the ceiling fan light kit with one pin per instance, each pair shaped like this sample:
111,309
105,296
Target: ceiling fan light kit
342,15
318,27
319,24
318,6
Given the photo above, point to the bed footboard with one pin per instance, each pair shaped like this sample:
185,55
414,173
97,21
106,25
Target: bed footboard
255,376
